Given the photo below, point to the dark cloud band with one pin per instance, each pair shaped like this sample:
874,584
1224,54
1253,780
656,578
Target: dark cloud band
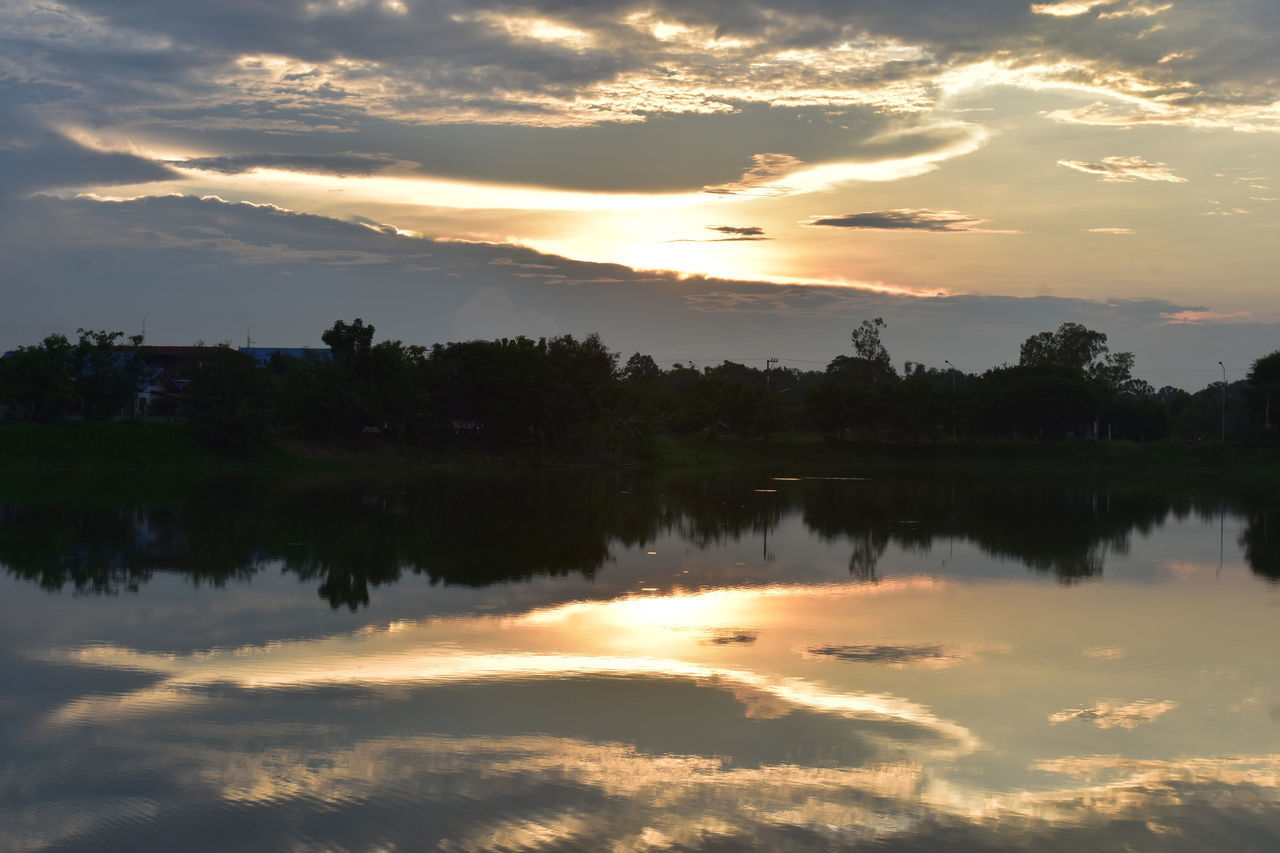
908,219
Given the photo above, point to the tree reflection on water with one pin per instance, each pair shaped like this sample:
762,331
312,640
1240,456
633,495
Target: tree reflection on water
353,534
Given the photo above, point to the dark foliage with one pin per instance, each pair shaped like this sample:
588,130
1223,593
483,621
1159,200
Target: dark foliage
573,394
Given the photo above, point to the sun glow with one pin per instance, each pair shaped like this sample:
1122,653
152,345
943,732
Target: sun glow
427,191
665,232
533,28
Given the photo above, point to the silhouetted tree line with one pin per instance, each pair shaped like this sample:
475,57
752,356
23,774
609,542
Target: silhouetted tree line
576,394
97,375
351,535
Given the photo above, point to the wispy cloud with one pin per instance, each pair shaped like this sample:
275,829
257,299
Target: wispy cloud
909,219
738,231
1137,10
342,164
1069,8
1200,317
762,178
733,234
1125,169
1118,232
1075,8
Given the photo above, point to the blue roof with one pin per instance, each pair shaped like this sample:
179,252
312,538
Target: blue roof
263,355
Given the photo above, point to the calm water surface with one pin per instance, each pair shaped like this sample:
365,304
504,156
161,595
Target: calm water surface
607,662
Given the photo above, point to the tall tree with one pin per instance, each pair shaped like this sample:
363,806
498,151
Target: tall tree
1264,387
38,378
1072,346
349,343
108,371
229,399
1081,350
867,343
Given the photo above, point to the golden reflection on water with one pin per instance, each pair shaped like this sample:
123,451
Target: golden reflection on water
967,690
636,637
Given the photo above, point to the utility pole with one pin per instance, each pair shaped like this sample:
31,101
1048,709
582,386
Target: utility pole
768,376
1224,400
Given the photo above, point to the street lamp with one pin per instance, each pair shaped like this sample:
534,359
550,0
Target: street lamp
1224,398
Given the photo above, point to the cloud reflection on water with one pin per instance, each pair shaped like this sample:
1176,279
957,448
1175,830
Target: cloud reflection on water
1112,713
432,723
432,652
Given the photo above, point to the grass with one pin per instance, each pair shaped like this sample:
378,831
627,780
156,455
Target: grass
1241,460
125,444
115,444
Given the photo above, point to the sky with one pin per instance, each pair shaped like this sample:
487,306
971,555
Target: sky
700,181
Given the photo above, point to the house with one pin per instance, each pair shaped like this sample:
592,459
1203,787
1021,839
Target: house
160,393
160,398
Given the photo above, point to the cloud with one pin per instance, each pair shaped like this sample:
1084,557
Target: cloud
35,157
204,269
1193,110
291,67
1125,169
794,301
1198,317
1069,8
1137,9
342,164
908,219
49,161
1118,232
762,178
738,231
735,234
1075,8
1111,713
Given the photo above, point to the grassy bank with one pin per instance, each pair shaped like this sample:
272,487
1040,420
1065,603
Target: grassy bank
91,445
811,453
88,445
110,444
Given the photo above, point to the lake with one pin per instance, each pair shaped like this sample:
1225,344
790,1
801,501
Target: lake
600,661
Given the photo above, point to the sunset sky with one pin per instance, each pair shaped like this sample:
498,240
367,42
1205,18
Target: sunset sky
699,180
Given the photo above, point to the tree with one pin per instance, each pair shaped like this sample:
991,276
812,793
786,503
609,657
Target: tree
39,378
398,393
1072,346
868,346
641,368
1264,387
501,388
107,373
1079,350
1048,402
348,342
339,396
583,383
229,398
